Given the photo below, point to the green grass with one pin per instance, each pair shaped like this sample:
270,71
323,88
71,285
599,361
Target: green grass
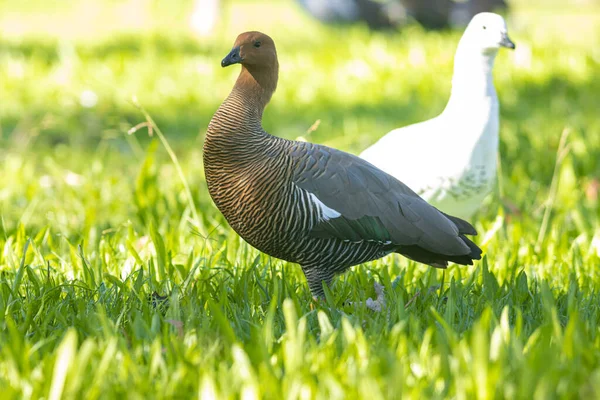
112,286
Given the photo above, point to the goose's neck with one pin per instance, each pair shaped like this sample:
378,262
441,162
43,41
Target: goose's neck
472,80
254,87
241,113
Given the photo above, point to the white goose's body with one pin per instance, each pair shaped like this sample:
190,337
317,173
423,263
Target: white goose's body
450,160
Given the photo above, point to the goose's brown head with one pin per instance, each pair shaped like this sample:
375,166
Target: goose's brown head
252,50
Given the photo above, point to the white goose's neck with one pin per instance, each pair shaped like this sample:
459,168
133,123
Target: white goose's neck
472,82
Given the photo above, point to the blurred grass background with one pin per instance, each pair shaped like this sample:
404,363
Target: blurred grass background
109,224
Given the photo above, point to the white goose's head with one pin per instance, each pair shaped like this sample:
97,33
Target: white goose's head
486,33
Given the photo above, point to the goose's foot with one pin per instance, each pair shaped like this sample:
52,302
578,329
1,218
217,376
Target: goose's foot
379,303
374,305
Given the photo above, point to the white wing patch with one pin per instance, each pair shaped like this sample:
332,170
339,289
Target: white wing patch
326,212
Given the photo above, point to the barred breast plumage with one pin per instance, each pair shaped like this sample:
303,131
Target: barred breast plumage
308,204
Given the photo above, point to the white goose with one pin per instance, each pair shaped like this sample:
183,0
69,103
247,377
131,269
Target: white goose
450,160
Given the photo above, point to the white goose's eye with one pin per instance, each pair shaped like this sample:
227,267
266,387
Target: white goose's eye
484,27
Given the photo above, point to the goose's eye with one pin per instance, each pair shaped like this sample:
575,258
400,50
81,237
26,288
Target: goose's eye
484,27
257,44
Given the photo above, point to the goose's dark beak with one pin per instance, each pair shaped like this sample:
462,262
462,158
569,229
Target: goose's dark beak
506,42
232,58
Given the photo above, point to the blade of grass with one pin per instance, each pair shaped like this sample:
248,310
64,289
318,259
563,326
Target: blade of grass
152,127
561,153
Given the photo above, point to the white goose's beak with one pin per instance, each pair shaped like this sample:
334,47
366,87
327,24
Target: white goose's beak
506,42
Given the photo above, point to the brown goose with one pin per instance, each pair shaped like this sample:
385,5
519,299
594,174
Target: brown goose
309,204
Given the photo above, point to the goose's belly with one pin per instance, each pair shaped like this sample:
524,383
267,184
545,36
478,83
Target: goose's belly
462,194
467,176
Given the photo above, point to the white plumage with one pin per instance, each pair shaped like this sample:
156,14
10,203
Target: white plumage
450,160
326,212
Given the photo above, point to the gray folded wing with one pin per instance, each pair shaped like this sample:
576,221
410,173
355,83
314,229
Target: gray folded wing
373,205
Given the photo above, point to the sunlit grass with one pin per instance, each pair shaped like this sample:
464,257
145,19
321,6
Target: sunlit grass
124,291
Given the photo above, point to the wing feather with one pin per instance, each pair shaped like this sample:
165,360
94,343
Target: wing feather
373,205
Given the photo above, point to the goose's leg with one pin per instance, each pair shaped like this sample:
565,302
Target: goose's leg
315,276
